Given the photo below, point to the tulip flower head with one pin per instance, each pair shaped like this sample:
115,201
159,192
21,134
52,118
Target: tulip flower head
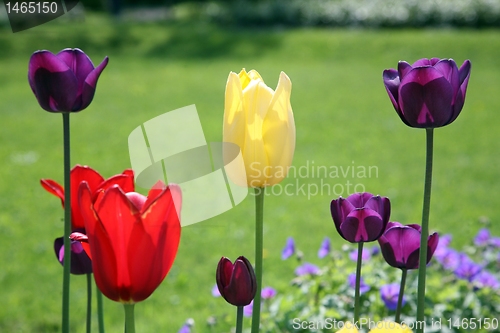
260,121
428,94
63,82
361,217
400,245
236,282
133,239
80,262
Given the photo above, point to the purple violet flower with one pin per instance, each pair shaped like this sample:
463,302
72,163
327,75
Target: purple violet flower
268,292
449,259
215,291
482,238
389,294
325,248
289,249
248,309
366,254
467,269
307,268
363,287
485,279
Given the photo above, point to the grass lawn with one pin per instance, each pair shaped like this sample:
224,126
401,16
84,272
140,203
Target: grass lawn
343,117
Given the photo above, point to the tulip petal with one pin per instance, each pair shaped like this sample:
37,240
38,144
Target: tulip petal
80,261
404,241
359,200
362,225
403,68
104,263
391,83
241,285
52,81
52,187
117,217
432,244
464,74
79,174
89,86
382,205
340,208
278,131
234,117
425,98
79,63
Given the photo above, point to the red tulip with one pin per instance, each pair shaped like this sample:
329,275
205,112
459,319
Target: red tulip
95,182
133,239
236,283
80,262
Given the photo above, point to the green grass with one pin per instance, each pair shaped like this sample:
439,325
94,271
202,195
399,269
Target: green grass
343,118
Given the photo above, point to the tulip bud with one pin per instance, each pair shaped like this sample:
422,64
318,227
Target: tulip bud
400,245
236,282
362,217
428,94
64,82
260,121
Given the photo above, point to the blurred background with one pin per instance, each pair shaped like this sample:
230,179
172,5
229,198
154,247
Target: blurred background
168,54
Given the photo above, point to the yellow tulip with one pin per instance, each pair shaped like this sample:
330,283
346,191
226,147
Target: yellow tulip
260,121
390,327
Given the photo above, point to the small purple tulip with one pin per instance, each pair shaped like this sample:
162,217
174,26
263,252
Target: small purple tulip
325,248
400,245
80,261
63,82
428,94
362,217
289,249
237,283
389,294
307,269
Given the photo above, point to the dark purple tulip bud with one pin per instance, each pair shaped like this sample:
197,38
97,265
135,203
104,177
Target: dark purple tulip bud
400,245
80,261
362,217
428,94
63,82
236,283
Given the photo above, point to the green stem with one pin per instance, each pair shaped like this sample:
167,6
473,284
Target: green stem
259,242
89,302
239,319
401,294
100,311
422,266
67,224
129,318
358,282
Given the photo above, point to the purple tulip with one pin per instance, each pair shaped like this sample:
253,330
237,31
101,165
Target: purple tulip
80,261
389,294
236,283
268,292
289,249
362,217
325,248
307,268
482,238
363,287
428,94
400,245
63,82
